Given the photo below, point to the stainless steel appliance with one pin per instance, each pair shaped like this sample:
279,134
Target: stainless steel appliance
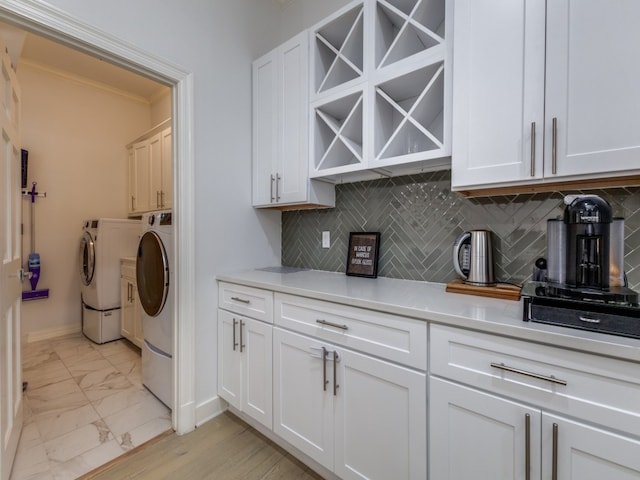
585,285
473,257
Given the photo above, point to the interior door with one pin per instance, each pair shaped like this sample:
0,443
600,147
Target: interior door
10,268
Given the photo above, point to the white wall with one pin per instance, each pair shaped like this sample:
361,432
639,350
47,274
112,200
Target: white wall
75,135
302,14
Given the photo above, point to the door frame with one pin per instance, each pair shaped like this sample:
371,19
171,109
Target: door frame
43,19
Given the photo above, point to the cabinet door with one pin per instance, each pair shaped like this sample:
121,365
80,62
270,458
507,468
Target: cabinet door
265,128
477,435
142,176
155,169
291,165
256,347
229,367
166,198
588,453
593,73
138,337
380,420
127,327
303,403
498,91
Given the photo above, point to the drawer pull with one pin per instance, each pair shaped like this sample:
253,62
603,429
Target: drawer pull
336,359
329,324
590,320
242,345
527,446
241,300
235,343
324,369
554,454
550,378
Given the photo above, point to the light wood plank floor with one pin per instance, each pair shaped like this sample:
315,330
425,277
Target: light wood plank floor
223,448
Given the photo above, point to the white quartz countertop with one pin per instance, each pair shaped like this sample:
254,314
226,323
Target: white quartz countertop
429,301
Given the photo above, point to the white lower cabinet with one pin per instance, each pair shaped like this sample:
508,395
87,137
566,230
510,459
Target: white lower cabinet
244,365
529,411
587,453
130,316
479,435
361,417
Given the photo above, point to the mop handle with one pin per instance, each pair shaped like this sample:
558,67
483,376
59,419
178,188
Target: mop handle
33,219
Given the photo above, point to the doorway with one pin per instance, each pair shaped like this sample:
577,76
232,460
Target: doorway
51,23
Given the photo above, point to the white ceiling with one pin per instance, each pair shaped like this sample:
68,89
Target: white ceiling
53,56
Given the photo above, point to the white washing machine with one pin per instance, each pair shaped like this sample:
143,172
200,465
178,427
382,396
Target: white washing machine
104,241
154,276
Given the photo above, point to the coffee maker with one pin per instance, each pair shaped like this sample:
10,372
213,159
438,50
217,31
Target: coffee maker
585,285
587,219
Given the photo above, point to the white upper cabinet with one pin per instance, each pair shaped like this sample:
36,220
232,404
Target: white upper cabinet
593,73
150,174
498,91
280,130
525,117
380,90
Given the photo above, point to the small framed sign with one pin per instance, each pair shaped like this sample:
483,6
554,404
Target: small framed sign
362,257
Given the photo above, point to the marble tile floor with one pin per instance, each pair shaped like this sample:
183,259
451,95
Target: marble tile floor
84,406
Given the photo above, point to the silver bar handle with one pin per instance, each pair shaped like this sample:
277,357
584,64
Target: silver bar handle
533,149
133,199
242,345
324,369
241,300
235,343
335,369
162,198
527,446
278,178
330,324
554,461
158,198
590,320
554,145
548,378
271,191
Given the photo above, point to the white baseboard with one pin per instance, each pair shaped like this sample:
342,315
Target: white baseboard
213,407
52,333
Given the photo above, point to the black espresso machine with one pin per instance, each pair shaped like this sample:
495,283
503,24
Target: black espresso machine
585,283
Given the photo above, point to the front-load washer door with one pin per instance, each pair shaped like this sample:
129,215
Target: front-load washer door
87,258
152,273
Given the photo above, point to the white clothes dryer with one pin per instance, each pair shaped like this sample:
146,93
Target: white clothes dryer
154,276
104,241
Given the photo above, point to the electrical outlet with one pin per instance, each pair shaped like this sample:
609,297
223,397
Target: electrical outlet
326,239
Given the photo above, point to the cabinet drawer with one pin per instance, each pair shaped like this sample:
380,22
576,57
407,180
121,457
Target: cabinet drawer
249,301
394,338
598,389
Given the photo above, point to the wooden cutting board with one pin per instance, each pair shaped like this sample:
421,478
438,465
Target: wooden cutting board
503,291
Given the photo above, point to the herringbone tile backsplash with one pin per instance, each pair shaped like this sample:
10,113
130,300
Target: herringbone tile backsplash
419,218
